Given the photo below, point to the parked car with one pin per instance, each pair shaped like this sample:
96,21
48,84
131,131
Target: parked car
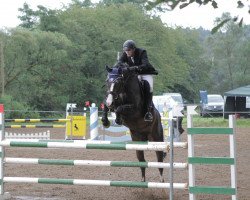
214,106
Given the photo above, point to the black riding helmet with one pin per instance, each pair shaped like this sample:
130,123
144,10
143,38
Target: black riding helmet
129,44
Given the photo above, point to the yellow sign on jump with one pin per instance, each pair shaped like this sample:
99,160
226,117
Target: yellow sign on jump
76,127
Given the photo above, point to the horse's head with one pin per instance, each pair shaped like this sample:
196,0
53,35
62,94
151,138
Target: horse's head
115,85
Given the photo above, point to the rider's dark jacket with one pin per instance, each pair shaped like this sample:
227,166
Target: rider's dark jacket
140,60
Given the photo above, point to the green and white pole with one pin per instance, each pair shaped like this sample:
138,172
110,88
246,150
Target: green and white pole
182,186
150,146
100,163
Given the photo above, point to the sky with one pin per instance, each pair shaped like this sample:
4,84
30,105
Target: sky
192,16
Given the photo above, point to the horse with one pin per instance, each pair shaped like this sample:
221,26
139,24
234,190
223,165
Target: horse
125,97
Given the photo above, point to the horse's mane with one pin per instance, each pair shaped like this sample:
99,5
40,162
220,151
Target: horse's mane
120,65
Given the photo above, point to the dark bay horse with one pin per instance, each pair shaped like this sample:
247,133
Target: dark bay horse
125,97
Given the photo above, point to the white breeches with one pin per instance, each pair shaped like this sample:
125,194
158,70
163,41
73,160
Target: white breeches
148,78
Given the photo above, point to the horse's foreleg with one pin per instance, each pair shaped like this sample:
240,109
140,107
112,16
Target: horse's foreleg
179,122
160,157
140,157
105,120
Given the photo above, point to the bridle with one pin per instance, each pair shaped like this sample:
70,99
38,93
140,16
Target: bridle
116,95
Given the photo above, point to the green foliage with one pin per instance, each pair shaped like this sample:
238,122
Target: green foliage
98,35
230,68
28,16
35,66
217,122
15,109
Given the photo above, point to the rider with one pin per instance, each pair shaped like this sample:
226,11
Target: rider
137,58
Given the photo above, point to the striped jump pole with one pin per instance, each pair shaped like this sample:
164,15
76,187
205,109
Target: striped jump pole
36,120
93,163
154,146
35,126
93,182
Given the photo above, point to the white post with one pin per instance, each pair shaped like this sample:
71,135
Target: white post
233,154
191,167
94,122
171,158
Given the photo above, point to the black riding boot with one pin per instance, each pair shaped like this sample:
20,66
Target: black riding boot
148,116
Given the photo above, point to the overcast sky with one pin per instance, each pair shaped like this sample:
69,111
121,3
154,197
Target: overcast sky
192,16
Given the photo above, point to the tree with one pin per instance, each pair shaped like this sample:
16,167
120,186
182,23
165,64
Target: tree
52,68
169,5
43,17
28,16
34,64
228,51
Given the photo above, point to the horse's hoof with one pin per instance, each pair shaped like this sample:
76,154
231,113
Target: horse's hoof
106,124
118,121
164,155
143,179
181,130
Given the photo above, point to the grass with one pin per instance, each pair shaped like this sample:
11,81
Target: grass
217,122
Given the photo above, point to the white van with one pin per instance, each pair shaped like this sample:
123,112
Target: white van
167,100
176,97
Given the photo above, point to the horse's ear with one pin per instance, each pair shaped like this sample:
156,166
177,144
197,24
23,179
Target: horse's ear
108,68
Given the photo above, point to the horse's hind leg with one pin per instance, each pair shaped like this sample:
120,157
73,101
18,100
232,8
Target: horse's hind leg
160,156
140,157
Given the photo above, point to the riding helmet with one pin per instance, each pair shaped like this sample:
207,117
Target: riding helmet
129,44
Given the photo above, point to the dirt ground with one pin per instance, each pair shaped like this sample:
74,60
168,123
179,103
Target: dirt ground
205,146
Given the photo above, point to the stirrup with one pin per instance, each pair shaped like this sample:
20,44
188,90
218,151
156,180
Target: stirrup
148,117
